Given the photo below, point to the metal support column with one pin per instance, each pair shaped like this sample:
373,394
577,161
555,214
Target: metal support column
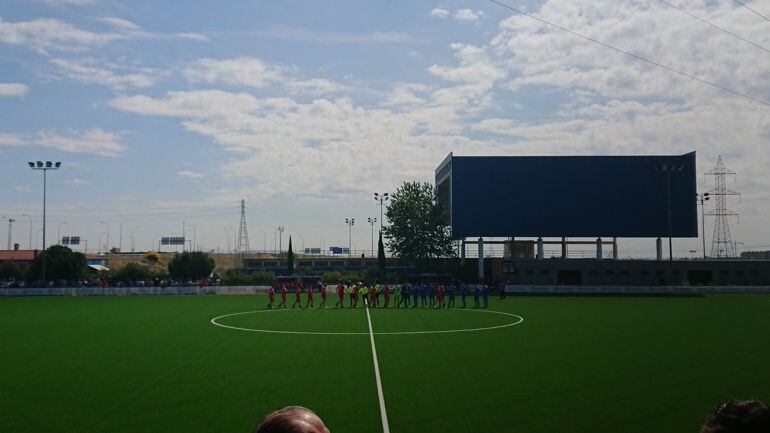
481,259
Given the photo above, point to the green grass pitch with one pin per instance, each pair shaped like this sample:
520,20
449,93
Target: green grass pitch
592,364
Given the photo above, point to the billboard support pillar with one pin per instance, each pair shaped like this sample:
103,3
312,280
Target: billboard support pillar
563,247
598,248
614,248
481,259
540,248
462,251
659,248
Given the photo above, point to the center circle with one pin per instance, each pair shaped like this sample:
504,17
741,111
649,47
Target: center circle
510,320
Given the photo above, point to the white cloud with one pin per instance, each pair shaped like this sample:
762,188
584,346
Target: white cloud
188,174
94,142
66,2
46,34
304,35
22,188
120,23
256,73
91,72
467,15
13,89
537,54
440,12
8,139
75,182
244,71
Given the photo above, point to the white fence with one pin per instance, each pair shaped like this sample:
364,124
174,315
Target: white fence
129,291
635,290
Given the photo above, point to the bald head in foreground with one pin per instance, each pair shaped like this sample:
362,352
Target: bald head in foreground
292,419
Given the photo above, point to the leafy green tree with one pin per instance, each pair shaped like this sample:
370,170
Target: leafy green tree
191,265
61,263
290,259
15,270
416,230
132,272
381,253
239,277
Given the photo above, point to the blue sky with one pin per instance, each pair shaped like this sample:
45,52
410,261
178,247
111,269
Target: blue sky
163,114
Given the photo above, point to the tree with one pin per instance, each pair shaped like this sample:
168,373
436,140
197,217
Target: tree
132,272
191,266
61,264
13,270
416,230
381,253
290,259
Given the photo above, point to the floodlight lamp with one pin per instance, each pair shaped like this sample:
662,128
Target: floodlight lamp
386,194
58,164
706,194
40,164
48,164
31,164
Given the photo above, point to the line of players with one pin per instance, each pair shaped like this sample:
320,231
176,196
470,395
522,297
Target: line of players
426,295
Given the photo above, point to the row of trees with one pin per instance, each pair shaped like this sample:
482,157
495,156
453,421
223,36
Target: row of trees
416,231
61,263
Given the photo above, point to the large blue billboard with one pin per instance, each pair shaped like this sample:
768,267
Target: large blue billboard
572,196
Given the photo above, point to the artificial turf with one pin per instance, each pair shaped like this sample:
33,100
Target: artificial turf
576,364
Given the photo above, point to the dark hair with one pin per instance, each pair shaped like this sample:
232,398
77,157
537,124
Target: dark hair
291,419
738,416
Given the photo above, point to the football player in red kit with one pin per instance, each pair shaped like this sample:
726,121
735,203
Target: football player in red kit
386,294
298,293
283,296
271,297
340,295
440,296
309,291
322,289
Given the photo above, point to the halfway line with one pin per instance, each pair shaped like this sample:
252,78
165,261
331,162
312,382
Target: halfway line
383,412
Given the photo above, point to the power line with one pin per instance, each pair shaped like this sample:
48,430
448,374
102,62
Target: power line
749,8
636,56
684,11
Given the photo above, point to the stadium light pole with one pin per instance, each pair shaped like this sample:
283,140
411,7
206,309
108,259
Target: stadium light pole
10,230
29,245
372,222
132,237
703,198
667,169
382,198
108,234
44,166
280,238
350,222
58,232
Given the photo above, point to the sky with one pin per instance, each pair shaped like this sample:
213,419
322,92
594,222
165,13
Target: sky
165,116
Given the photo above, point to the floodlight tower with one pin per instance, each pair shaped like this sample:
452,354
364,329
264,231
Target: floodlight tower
668,170
372,222
702,199
10,230
350,222
44,166
382,198
280,238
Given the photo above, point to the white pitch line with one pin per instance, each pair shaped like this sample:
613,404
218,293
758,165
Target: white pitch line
383,411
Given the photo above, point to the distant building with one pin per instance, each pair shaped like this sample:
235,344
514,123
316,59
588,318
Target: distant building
755,255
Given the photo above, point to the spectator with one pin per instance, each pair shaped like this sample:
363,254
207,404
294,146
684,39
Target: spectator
291,419
738,416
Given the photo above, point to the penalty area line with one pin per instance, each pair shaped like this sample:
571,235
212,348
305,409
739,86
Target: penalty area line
383,411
